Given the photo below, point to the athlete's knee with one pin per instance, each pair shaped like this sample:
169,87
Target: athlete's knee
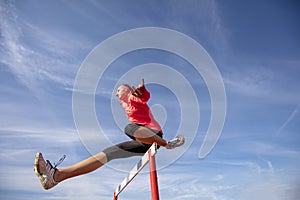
109,153
105,157
130,130
115,152
118,151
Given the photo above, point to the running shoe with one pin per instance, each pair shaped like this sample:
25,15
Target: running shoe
176,142
45,171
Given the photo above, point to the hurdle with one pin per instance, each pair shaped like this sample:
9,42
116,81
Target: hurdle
148,157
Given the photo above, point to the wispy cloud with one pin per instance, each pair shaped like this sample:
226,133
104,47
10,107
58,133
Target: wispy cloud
273,188
49,59
194,185
250,82
288,120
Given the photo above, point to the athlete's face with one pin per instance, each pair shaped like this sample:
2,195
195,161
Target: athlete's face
122,92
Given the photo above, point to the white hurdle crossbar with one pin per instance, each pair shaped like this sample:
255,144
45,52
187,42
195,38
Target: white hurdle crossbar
149,156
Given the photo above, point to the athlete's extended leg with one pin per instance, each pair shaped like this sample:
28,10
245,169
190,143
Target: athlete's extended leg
51,176
86,166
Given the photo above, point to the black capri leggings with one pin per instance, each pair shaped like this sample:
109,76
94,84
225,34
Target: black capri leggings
129,148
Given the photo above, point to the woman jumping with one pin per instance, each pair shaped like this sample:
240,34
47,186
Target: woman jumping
143,130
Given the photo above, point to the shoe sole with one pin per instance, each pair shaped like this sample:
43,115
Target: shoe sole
36,164
36,170
182,139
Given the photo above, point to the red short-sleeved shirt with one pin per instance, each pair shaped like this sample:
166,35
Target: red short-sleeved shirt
138,111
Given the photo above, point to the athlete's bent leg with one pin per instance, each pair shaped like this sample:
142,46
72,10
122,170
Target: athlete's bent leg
146,136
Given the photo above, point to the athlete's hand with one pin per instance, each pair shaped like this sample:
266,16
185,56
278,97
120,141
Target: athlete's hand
138,92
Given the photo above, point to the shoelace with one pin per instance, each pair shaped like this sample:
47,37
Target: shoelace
58,162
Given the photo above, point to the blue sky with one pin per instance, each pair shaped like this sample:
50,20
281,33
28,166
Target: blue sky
254,44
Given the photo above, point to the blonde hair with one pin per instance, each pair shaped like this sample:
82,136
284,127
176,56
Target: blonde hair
127,85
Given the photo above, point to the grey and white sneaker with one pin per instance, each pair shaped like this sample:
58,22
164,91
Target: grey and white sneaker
45,171
176,142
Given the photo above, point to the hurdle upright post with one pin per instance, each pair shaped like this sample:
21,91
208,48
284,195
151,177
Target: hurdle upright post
149,157
153,176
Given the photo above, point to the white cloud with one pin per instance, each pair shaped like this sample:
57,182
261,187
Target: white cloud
192,185
50,58
288,120
267,189
40,134
250,83
271,168
245,165
260,81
